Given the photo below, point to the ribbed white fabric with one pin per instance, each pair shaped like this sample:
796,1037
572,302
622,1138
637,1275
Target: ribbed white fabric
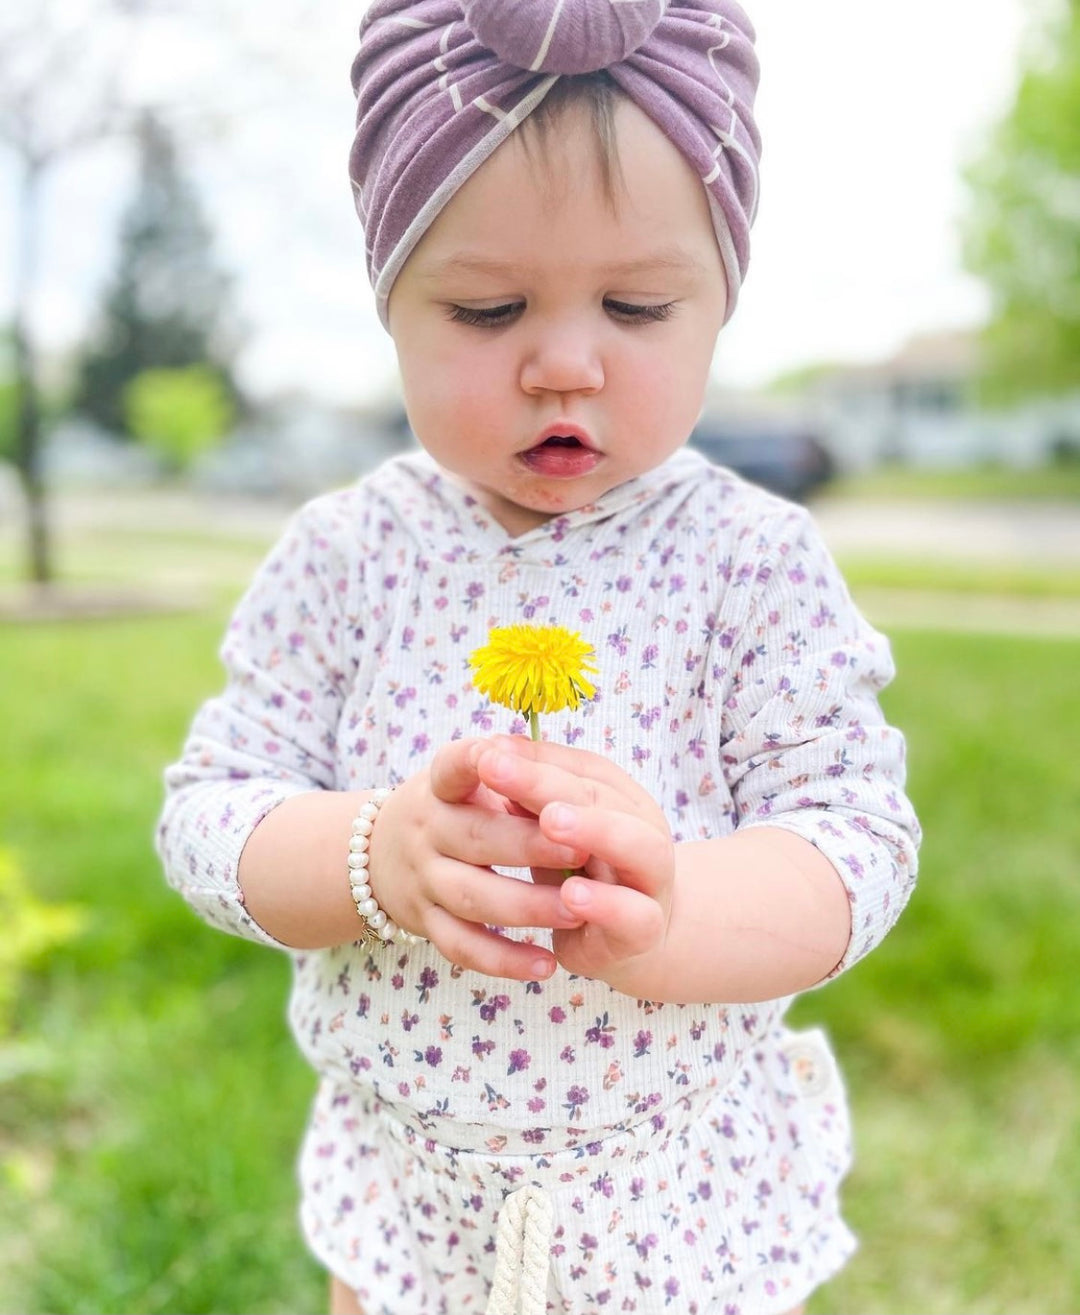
738,687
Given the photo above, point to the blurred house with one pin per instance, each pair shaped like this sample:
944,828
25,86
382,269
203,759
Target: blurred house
298,448
293,449
919,408
77,453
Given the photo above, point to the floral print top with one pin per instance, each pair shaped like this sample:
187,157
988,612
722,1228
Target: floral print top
692,1153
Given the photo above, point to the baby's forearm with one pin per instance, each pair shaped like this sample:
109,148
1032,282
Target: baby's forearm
756,915
293,870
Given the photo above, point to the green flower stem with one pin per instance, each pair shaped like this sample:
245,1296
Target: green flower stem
532,720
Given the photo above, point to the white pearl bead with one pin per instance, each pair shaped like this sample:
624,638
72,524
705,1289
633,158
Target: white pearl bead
367,906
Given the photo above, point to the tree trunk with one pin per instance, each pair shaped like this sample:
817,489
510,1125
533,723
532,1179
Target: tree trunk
28,434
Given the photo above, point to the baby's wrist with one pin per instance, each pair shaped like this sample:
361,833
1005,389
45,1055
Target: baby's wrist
378,927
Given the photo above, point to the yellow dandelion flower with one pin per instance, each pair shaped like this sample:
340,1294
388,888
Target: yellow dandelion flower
534,669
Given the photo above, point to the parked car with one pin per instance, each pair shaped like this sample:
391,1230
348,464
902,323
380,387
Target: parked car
781,458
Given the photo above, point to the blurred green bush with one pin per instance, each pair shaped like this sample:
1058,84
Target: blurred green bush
31,928
178,413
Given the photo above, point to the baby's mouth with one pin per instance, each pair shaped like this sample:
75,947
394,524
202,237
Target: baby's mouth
561,456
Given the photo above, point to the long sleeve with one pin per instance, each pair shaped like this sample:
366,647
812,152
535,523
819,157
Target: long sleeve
272,733
805,743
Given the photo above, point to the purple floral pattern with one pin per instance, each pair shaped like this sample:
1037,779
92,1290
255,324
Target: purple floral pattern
691,1165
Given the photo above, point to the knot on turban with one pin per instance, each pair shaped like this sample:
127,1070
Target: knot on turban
441,83
574,36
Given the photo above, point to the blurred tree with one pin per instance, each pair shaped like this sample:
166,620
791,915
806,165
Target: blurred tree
74,76
167,305
1023,230
58,96
71,82
178,413
9,403
9,400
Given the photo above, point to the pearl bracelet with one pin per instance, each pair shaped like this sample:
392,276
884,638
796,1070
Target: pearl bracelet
378,928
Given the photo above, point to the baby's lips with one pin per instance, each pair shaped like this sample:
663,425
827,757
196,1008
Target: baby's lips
562,430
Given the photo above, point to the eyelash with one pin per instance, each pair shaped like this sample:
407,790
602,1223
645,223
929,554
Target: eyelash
492,317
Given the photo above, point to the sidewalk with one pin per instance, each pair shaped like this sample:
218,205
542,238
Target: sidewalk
1022,535
1033,534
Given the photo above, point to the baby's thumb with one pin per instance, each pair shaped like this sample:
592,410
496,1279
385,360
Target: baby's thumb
453,774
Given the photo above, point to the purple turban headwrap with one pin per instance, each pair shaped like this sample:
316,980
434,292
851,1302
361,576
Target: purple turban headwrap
441,83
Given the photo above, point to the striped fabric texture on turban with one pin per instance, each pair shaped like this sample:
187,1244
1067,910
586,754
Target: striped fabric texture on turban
441,83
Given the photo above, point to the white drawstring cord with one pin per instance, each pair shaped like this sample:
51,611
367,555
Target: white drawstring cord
522,1254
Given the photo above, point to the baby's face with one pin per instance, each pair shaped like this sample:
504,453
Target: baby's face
552,345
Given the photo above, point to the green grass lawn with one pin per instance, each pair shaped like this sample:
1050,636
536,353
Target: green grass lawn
1058,481
211,559
151,1100
986,579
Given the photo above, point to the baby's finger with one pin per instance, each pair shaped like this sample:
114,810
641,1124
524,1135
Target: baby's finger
534,783
619,923
484,838
639,851
472,946
484,897
453,773
577,763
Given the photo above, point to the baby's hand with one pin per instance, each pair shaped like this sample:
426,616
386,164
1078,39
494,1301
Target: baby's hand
584,801
432,851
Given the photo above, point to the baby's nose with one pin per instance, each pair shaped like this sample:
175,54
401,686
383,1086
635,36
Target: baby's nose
562,359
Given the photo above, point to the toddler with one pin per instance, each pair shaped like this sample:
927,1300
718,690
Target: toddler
540,1091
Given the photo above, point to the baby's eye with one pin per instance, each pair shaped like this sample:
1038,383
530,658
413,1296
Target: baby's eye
485,316
636,313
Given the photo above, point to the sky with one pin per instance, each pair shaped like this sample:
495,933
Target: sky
868,112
